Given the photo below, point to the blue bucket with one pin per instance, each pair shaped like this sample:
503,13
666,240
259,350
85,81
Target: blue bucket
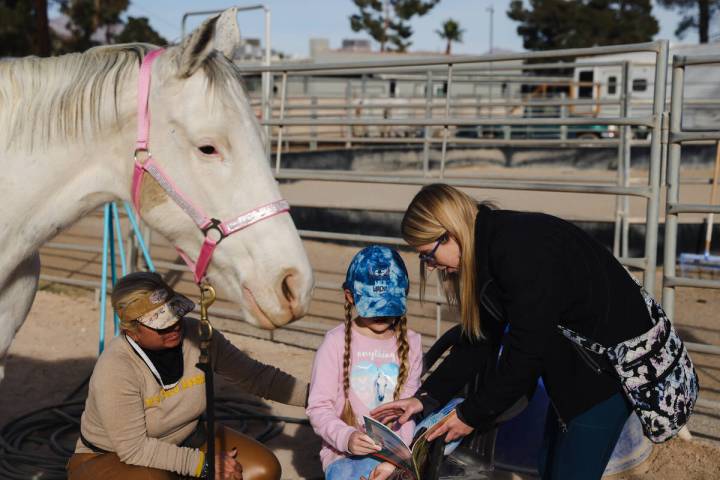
518,441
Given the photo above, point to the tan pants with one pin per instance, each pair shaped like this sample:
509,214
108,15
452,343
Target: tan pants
258,462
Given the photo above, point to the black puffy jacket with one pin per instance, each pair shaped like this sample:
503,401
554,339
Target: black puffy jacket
536,271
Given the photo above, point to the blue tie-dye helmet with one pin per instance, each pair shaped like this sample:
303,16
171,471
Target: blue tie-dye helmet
379,282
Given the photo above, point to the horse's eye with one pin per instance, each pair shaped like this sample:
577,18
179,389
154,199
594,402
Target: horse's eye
208,150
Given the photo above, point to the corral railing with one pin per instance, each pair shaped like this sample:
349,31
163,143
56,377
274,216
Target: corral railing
678,136
447,69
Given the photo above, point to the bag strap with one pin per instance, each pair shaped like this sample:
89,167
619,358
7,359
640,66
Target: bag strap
582,345
582,341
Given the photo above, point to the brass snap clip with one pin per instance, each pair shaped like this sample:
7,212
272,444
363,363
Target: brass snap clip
207,298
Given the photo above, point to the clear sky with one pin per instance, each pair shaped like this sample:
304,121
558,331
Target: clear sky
294,22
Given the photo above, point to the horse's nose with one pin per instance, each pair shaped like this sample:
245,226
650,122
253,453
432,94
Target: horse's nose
290,292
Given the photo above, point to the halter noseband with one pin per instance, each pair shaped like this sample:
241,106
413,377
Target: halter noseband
204,223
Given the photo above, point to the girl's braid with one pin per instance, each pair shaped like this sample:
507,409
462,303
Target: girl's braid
402,351
348,415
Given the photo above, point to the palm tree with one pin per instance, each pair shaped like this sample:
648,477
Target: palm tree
451,32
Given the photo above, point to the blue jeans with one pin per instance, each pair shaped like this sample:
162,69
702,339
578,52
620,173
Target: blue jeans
584,450
351,468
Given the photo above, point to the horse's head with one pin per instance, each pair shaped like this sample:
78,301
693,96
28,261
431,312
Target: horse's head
381,384
204,135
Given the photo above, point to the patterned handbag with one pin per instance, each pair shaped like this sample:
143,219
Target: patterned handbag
655,371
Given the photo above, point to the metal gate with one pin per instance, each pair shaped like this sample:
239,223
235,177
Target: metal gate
677,136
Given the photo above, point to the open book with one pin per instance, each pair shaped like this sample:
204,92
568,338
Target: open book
394,450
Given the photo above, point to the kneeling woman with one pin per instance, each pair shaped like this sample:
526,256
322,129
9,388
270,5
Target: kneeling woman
146,395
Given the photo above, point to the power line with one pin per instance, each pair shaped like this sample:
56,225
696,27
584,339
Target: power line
157,17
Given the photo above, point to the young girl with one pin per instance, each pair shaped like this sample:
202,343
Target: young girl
370,360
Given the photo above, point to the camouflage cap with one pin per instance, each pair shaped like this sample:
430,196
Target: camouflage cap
157,309
379,282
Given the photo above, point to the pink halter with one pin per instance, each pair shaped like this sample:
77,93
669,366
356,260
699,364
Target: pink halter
204,223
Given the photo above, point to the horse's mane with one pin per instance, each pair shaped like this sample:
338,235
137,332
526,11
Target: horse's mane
56,99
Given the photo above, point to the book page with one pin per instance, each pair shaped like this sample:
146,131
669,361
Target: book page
393,447
420,453
421,447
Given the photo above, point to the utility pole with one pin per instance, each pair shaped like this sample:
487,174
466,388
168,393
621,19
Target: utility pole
491,9
386,23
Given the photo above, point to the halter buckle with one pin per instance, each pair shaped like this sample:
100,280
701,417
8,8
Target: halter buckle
144,151
214,225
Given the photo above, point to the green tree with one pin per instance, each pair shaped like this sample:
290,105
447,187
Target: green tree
551,24
699,19
387,21
24,28
14,27
88,16
138,29
451,32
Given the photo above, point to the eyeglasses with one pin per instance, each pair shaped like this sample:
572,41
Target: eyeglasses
162,331
429,257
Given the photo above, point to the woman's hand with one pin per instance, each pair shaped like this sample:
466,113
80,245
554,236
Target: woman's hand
453,428
400,410
382,471
226,467
361,444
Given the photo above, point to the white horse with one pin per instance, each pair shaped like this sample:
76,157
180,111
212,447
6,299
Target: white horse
67,137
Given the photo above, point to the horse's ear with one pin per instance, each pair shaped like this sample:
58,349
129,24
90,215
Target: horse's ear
227,33
220,32
196,48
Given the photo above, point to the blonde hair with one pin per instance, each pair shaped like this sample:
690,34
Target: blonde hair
403,350
438,209
131,288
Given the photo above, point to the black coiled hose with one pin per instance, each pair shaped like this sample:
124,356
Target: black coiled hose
38,445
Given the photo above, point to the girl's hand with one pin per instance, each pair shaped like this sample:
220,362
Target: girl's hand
400,410
453,428
361,444
226,467
382,471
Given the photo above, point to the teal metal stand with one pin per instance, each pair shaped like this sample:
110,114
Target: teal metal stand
112,230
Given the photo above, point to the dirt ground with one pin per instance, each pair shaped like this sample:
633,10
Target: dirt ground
56,347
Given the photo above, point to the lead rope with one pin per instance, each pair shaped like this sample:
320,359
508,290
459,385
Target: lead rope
207,298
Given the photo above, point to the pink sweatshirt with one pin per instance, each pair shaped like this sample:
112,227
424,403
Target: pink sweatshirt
374,367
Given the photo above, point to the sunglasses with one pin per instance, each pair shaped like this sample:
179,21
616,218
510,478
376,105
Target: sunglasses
162,331
428,258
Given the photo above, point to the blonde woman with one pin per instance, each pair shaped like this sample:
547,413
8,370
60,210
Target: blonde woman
525,273
146,396
370,359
